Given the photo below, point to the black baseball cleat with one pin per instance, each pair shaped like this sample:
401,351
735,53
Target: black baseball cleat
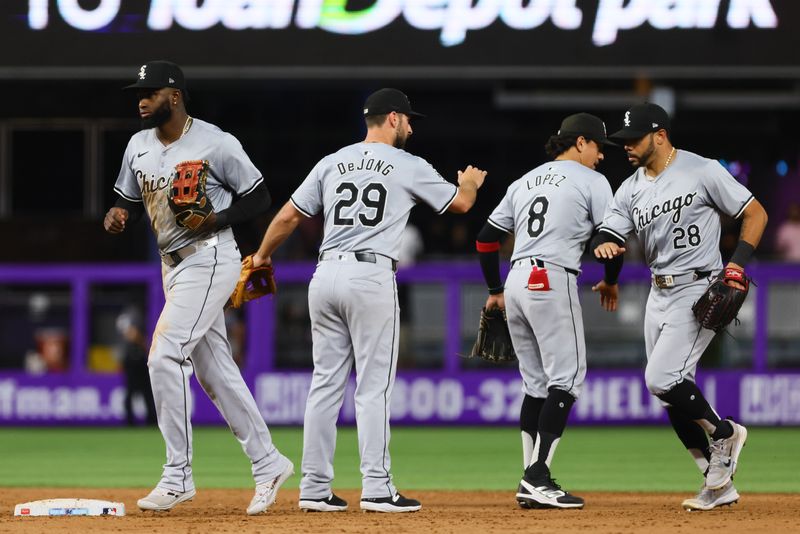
331,503
395,503
538,490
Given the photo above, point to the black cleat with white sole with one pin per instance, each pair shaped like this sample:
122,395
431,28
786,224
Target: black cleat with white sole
331,503
538,490
395,503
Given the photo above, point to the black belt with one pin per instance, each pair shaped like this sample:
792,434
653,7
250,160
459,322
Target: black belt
544,265
367,257
666,281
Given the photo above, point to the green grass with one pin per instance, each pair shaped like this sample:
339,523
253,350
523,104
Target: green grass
588,459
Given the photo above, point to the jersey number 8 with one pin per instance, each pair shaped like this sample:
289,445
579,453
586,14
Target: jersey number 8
536,215
373,196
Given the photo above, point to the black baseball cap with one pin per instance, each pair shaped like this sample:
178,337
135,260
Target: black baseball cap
587,125
641,120
386,100
158,74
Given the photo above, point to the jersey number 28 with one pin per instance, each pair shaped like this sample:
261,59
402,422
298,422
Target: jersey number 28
373,197
682,237
536,215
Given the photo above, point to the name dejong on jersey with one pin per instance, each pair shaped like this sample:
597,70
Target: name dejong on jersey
371,164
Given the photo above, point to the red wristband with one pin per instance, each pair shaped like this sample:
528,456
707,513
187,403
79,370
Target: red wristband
487,247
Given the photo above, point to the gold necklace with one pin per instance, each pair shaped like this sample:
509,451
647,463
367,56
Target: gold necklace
188,124
669,159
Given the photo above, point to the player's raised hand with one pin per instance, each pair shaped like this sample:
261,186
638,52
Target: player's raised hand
609,295
115,220
472,174
608,250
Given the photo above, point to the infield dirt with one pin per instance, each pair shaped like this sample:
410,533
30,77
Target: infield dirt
222,510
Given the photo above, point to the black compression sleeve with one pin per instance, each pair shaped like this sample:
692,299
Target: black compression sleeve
490,259
490,265
742,253
612,267
490,234
254,203
135,209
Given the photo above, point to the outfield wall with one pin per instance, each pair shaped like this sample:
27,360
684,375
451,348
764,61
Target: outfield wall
485,397
455,393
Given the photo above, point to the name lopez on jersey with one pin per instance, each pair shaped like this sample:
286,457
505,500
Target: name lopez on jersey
643,219
371,164
548,179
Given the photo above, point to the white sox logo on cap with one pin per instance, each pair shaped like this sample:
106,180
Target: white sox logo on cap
627,118
143,72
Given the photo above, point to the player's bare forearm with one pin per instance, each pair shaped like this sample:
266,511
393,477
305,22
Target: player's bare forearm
465,198
754,220
279,230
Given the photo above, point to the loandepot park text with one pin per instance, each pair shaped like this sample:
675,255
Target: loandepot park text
453,18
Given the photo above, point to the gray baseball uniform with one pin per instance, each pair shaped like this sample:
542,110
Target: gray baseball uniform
199,276
365,192
552,212
676,216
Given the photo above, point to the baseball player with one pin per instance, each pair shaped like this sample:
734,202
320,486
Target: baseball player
673,202
365,192
553,212
200,269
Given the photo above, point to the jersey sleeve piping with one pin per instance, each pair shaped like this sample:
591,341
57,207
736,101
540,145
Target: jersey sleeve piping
298,208
506,230
126,197
256,184
447,205
744,207
611,232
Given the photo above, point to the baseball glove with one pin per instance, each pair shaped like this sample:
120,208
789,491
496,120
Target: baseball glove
254,282
720,303
187,195
494,340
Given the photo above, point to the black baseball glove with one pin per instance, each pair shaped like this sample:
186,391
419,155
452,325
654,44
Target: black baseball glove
494,340
720,304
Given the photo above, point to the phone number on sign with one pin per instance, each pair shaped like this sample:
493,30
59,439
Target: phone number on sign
425,400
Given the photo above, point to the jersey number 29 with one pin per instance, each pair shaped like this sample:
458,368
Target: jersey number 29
373,197
536,215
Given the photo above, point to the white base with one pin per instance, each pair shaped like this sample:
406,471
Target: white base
71,507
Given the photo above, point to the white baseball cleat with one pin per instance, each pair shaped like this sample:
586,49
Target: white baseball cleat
266,493
708,498
162,499
725,457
